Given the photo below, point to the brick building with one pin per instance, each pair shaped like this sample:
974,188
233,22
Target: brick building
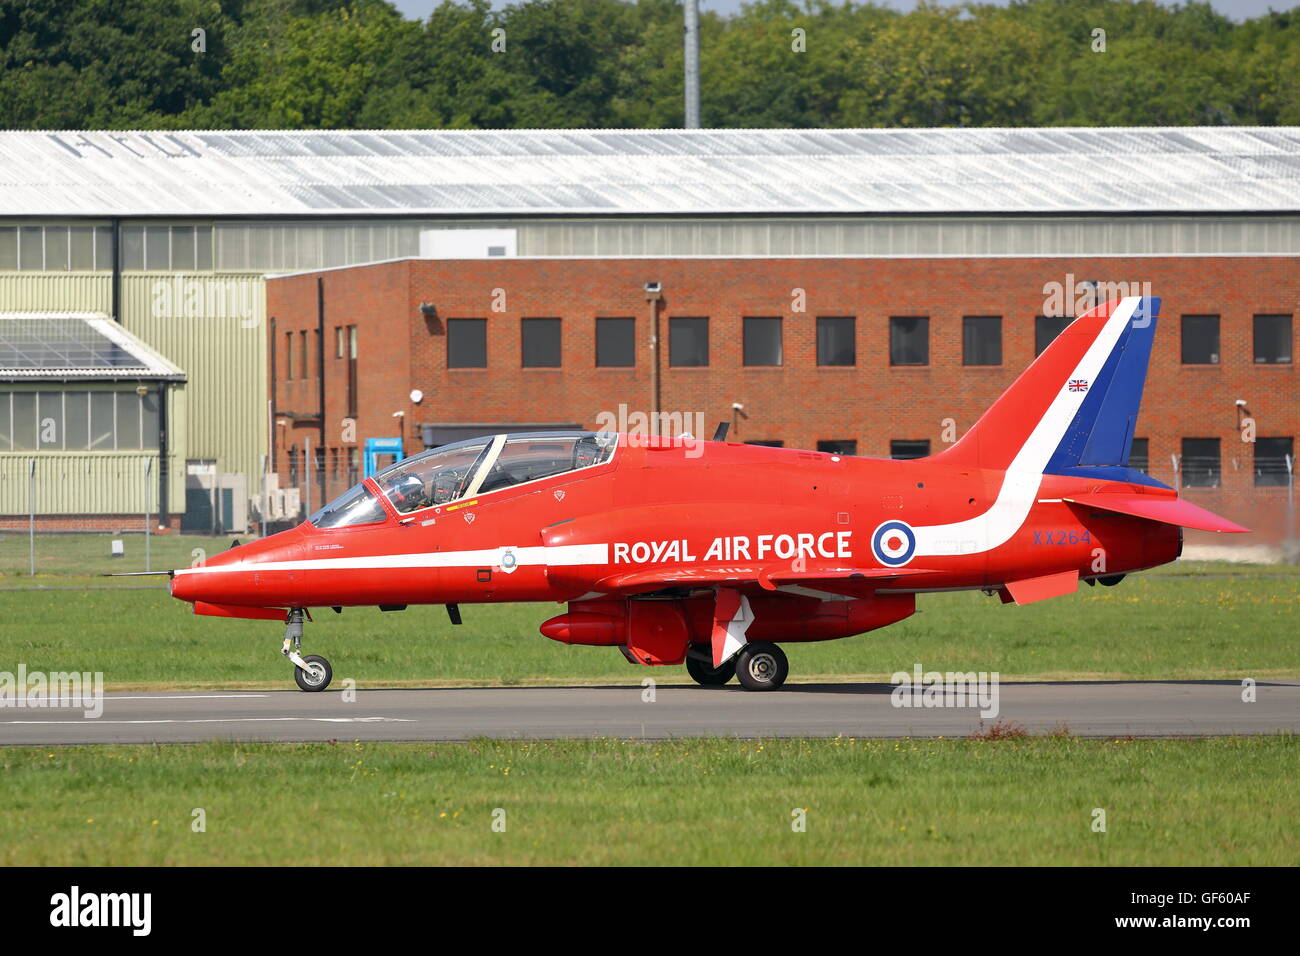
871,356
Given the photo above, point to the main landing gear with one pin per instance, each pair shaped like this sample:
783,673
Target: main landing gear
312,673
705,674
759,666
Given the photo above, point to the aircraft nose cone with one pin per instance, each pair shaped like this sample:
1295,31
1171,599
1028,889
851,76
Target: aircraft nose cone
216,580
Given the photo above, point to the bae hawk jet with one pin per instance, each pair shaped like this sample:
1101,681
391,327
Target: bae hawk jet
715,554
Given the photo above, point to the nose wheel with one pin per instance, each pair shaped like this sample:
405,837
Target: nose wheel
316,675
313,672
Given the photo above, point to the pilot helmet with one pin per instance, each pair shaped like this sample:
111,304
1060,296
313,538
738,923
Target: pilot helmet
406,492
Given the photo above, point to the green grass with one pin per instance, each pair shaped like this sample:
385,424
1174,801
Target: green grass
1012,802
1148,627
90,554
1188,620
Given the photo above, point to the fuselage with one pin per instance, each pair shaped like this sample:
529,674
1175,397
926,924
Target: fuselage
685,503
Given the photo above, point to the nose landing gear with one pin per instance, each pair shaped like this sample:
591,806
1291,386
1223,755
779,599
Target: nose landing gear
313,672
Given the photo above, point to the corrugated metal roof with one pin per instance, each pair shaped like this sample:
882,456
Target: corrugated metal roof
672,172
75,345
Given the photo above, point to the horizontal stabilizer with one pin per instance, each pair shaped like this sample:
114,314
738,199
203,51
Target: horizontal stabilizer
1175,511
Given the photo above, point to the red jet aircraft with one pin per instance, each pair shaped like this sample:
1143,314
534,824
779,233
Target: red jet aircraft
715,553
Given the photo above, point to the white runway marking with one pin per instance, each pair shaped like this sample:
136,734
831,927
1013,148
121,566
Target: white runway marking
224,720
187,697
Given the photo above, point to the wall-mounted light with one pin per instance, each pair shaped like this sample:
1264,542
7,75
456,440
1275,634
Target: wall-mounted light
417,396
428,310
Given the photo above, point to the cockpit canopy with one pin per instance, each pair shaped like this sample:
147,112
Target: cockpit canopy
466,469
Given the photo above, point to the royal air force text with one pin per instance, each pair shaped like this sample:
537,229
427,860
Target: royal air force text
763,547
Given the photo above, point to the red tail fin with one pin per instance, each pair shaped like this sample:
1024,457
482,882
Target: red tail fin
1076,403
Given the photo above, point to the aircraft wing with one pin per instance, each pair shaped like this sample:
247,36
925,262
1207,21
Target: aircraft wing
849,581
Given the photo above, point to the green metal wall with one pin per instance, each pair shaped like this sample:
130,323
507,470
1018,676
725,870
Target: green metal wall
214,327
55,291
79,483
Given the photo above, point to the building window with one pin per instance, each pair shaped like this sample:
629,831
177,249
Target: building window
467,343
340,347
352,371
76,420
1271,458
182,258
8,248
1046,329
904,448
981,340
615,343
540,343
31,248
767,443
762,341
1139,456
688,342
909,340
836,340
1200,463
1272,340
157,248
1200,340
304,363
288,356
838,446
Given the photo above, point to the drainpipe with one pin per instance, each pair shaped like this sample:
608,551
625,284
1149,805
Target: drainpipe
162,452
320,370
653,295
270,435
116,295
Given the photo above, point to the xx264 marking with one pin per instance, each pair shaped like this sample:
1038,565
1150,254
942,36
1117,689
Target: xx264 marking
1061,537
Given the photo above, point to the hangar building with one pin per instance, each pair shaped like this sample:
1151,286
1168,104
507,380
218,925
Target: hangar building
466,265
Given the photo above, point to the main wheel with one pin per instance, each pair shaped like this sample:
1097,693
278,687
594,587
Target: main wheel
762,666
319,675
707,676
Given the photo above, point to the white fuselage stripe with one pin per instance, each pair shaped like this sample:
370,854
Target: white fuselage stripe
1022,478
557,556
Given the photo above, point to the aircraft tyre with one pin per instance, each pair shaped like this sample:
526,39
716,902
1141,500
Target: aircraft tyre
707,676
762,666
317,678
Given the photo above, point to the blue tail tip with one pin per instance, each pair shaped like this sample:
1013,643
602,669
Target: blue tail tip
1148,308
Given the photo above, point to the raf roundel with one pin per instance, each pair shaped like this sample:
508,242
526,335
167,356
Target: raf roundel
893,543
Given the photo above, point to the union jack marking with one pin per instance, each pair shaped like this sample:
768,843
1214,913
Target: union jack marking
1078,385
